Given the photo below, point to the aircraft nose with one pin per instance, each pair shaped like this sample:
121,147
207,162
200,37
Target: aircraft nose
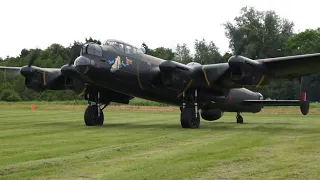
82,64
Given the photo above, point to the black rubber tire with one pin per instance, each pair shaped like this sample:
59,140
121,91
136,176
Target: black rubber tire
239,119
90,116
188,119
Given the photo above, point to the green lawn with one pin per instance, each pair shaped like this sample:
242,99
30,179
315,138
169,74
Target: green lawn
55,144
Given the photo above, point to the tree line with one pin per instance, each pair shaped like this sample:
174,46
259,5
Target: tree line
254,34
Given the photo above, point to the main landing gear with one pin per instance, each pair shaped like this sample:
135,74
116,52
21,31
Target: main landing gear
190,117
239,118
93,115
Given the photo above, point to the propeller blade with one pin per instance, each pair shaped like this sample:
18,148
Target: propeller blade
240,47
31,62
239,40
70,61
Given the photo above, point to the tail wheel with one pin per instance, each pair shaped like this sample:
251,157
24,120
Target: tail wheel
239,119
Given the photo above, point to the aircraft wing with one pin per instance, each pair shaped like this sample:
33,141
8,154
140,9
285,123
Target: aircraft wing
9,72
36,78
10,68
281,67
292,66
17,69
39,79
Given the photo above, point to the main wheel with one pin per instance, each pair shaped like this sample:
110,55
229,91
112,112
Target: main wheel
91,116
188,118
239,119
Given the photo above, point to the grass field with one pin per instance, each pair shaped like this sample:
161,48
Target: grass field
144,143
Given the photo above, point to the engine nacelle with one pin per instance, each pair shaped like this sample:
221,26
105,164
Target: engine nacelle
39,79
211,114
245,71
175,75
75,84
34,83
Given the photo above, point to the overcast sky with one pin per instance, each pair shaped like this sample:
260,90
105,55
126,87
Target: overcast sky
39,23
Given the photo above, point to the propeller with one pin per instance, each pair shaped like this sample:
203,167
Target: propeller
32,59
70,61
28,70
239,40
67,68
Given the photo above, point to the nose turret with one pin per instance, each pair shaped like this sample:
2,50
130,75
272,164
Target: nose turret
82,64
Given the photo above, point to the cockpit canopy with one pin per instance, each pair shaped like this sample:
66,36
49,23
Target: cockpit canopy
124,47
92,49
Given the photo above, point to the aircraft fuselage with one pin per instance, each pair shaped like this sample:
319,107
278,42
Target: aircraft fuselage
139,75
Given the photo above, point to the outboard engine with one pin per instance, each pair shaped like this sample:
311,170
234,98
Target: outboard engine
245,71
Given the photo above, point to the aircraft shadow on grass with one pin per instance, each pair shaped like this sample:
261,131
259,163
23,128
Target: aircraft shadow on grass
216,126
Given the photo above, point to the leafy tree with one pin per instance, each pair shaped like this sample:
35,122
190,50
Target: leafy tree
206,53
305,42
163,53
90,39
9,95
226,56
24,53
160,52
58,55
33,56
262,33
182,54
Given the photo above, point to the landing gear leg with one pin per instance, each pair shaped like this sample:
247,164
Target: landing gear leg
190,117
239,118
93,115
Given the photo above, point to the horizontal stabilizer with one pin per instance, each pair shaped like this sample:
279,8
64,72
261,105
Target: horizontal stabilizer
272,102
304,105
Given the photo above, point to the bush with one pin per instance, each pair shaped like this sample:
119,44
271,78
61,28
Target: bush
9,95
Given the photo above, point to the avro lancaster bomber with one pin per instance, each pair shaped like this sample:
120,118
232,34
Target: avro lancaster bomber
117,72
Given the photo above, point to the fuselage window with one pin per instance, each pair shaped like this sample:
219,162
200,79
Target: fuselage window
139,51
128,49
115,44
121,48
